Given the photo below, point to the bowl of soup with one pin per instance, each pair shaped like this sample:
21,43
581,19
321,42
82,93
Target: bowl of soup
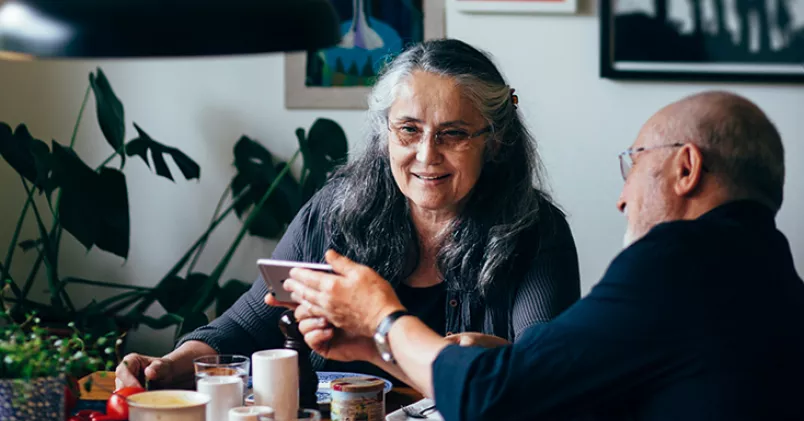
168,405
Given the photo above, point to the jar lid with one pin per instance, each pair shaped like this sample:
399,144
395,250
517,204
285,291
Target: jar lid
357,384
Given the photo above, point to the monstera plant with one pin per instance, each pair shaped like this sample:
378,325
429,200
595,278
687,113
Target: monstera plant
65,194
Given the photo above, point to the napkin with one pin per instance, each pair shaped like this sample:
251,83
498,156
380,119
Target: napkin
398,415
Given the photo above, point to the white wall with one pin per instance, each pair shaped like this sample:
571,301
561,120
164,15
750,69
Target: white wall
203,105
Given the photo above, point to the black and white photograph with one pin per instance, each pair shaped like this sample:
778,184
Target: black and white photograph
712,40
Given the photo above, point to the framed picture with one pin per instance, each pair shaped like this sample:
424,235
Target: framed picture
374,31
703,40
517,6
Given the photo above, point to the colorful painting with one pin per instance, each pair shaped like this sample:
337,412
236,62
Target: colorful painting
703,40
373,32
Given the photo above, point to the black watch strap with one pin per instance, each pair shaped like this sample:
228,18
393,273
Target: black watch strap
385,324
381,335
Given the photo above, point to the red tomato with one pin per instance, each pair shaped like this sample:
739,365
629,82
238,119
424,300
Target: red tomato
86,414
104,417
116,406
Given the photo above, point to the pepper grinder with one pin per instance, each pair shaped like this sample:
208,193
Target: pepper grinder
308,380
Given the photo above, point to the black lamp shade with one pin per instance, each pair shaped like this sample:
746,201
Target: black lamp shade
165,28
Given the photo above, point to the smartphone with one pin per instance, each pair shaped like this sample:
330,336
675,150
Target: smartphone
274,273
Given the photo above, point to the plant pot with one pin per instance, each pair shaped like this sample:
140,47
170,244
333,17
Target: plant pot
40,399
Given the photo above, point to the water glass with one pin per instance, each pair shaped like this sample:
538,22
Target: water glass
223,365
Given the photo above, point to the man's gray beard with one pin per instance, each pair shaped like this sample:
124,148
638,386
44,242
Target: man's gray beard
628,238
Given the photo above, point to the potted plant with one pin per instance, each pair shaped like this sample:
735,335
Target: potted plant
38,370
65,194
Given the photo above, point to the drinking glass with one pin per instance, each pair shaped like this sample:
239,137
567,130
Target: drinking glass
223,365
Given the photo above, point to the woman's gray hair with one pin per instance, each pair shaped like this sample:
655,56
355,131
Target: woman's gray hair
369,219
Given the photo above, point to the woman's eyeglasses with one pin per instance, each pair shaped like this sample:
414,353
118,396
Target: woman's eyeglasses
451,139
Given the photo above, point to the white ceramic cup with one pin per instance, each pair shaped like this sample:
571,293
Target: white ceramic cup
225,393
168,405
275,381
249,413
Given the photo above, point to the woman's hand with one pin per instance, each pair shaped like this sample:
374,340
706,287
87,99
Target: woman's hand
136,367
477,339
354,298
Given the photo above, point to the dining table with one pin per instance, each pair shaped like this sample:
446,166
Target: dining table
102,387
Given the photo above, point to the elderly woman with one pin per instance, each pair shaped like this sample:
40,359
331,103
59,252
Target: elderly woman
444,205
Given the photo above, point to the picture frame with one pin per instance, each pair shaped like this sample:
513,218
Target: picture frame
298,95
517,6
660,40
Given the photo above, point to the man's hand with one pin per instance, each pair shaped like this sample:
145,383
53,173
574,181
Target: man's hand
336,344
354,298
477,339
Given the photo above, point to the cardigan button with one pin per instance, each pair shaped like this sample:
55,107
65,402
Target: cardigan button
453,303
449,333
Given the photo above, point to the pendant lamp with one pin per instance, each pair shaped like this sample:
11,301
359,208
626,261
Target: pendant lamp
164,28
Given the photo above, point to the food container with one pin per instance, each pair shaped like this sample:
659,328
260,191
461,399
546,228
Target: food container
168,405
357,398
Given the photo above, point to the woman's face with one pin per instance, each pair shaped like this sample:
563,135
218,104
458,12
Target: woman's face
435,159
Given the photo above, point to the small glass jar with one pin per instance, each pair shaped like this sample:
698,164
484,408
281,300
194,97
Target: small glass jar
357,398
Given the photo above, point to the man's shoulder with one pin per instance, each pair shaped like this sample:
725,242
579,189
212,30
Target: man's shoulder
664,250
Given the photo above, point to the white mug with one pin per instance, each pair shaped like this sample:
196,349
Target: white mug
275,381
249,413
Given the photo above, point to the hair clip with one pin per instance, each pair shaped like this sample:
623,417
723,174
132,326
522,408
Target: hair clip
514,98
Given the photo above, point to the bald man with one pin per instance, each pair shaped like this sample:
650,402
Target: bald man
701,317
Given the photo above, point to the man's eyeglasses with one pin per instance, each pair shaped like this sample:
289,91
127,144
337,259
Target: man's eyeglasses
451,139
627,161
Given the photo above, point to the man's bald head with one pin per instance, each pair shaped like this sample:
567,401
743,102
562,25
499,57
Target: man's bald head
740,145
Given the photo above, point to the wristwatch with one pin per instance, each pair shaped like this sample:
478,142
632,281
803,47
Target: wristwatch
381,335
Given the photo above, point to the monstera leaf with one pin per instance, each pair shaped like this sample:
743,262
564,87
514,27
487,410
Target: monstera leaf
110,112
256,170
28,156
144,143
94,205
189,323
178,295
229,294
323,148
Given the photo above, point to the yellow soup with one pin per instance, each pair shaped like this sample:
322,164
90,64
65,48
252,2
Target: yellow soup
161,400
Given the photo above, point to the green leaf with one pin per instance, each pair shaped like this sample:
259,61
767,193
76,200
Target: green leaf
324,148
161,323
111,201
29,244
179,295
77,181
94,206
189,323
110,112
28,156
143,143
172,293
229,294
256,170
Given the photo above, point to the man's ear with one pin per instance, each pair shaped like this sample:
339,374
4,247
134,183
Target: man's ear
688,169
